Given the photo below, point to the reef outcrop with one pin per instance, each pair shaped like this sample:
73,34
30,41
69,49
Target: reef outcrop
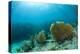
41,37
61,31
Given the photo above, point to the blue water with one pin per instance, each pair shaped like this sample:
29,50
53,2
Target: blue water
29,18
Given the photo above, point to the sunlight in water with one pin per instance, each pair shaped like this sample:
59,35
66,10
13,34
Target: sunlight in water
41,6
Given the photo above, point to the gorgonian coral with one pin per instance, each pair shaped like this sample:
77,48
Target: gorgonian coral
61,31
41,37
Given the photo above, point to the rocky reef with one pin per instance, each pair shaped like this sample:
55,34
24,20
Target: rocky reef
62,36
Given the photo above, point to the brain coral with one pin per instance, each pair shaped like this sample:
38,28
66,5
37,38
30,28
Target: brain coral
61,31
41,37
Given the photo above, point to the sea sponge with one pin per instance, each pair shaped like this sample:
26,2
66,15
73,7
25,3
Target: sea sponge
61,31
41,37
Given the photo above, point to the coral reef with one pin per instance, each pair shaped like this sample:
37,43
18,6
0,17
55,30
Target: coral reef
41,37
61,31
68,31
19,50
25,47
32,38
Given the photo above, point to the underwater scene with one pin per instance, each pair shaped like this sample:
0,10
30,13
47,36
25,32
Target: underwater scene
35,27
